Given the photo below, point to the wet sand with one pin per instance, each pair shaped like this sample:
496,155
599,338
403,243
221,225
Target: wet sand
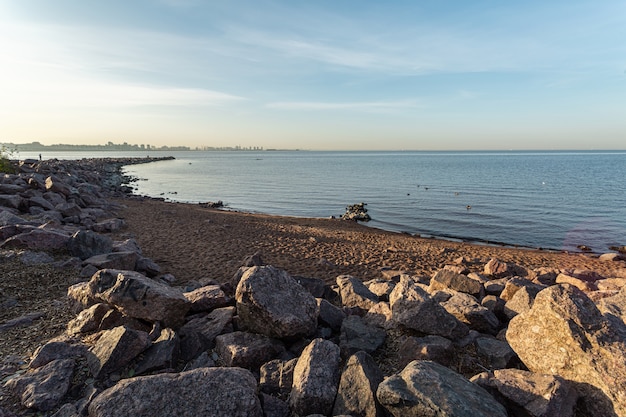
193,242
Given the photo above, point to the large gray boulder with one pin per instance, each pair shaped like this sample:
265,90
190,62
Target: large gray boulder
315,379
426,388
116,348
356,335
276,376
114,260
209,392
162,354
615,305
446,279
354,293
44,387
247,350
414,308
199,333
271,302
465,308
539,395
565,334
138,296
432,348
37,240
356,394
207,298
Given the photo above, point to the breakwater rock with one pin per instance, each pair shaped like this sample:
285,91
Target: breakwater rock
356,212
508,341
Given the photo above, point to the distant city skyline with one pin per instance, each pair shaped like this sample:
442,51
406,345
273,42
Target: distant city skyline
350,75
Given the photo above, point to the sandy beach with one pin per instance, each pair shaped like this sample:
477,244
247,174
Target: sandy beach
193,242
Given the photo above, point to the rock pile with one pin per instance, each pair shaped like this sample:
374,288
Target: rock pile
507,342
356,212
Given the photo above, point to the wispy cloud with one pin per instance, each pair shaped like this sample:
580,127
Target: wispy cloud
364,106
36,71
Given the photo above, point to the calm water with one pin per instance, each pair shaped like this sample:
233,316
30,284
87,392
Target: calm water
554,200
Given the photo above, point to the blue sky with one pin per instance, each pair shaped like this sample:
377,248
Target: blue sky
315,75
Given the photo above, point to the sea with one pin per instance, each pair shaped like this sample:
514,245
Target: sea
560,200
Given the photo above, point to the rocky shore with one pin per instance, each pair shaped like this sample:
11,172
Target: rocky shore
173,309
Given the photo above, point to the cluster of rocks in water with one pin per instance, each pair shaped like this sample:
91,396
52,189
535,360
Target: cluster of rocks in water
508,341
356,212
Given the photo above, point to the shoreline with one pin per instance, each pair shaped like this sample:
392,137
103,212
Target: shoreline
85,252
194,242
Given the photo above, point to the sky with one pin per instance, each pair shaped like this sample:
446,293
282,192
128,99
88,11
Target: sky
319,75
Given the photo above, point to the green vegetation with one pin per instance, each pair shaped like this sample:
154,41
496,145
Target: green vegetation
6,166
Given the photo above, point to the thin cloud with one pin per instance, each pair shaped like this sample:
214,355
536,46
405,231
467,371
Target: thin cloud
367,106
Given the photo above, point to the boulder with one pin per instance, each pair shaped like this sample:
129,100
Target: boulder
85,244
581,284
494,353
315,286
611,257
431,348
565,334
43,388
54,198
247,350
88,319
446,279
37,240
499,269
199,333
147,266
413,308
115,260
207,298
426,388
356,335
115,349
359,381
354,293
138,296
54,350
162,354
315,379
274,407
128,245
11,201
37,201
381,287
495,286
330,314
271,302
539,395
80,297
108,226
467,310
521,301
614,305
513,285
69,209
380,315
276,376
9,219
56,185
210,392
